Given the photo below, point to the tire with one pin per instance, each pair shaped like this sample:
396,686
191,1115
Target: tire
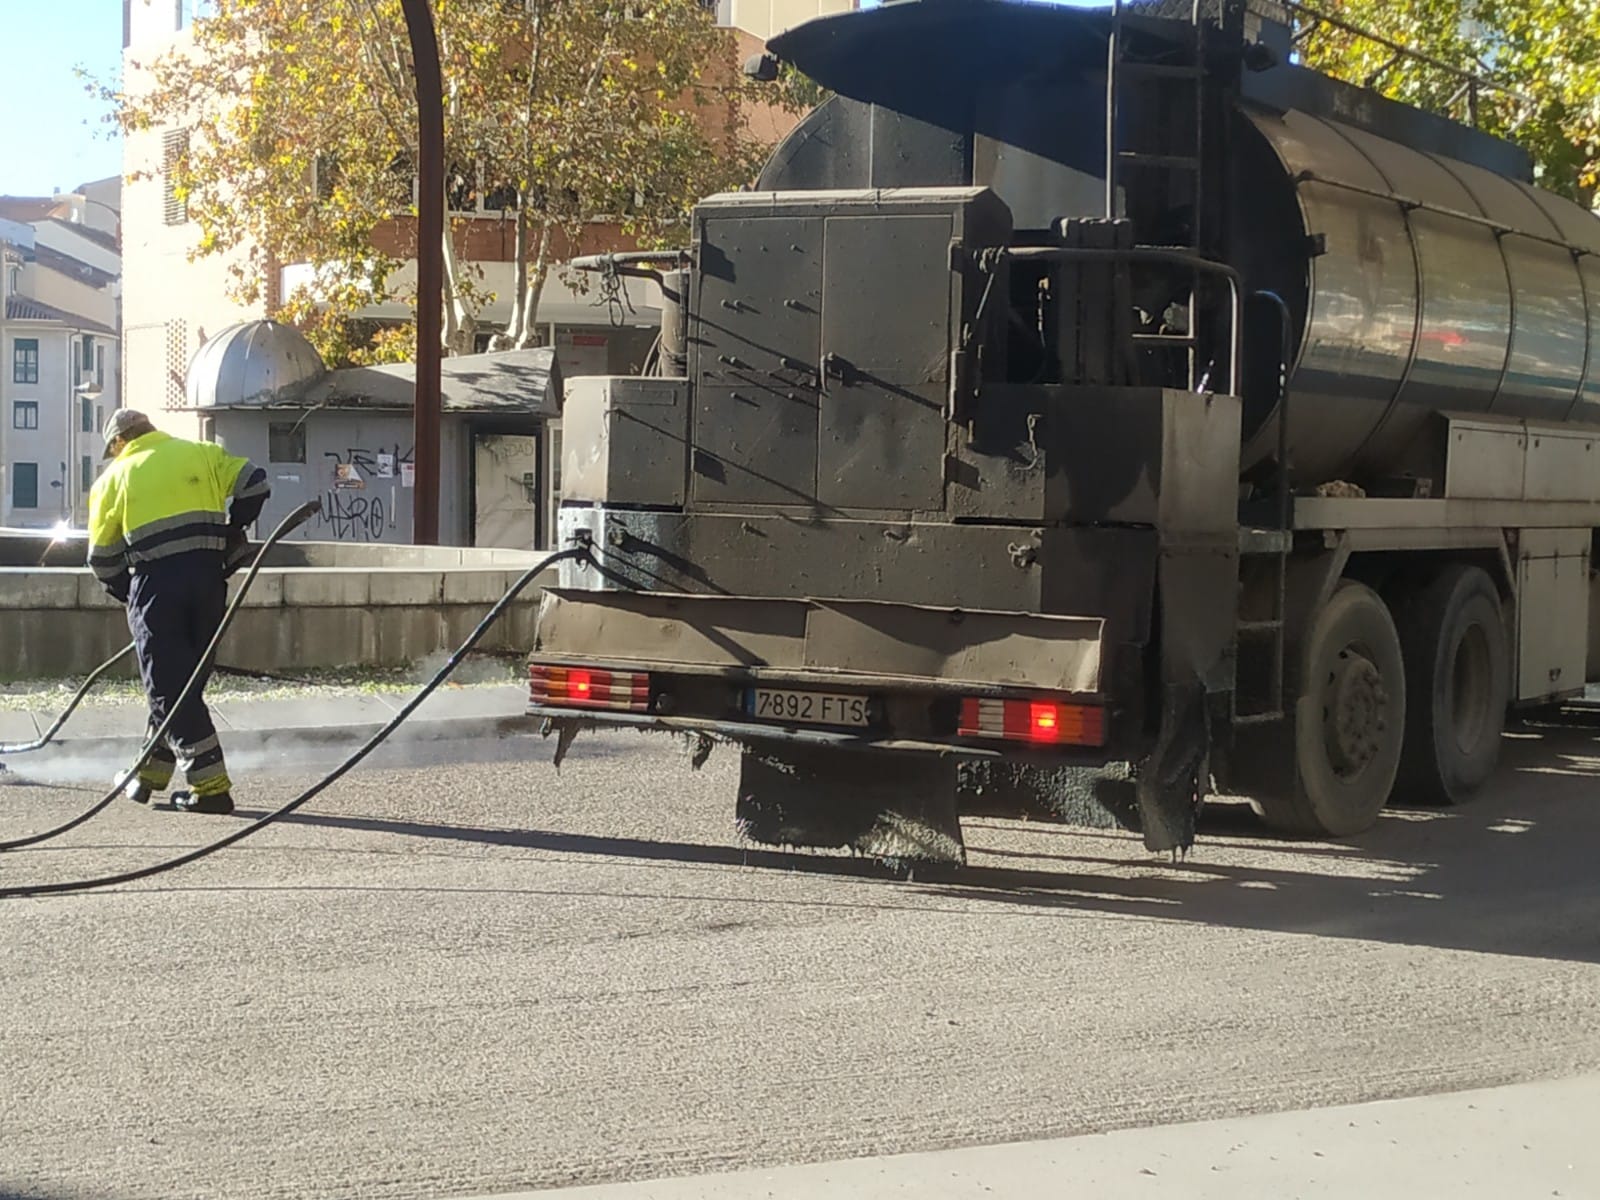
1453,641
1348,721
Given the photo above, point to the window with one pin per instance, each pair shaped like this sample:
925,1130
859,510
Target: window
25,414
324,175
174,148
25,360
24,485
286,442
189,11
88,351
100,367
87,423
88,474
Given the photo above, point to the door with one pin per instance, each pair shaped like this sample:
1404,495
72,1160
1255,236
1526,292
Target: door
550,535
886,356
755,340
505,502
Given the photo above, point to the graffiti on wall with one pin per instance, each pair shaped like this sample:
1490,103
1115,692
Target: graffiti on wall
348,518
349,512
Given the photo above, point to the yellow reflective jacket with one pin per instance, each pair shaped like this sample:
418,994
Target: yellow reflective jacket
164,496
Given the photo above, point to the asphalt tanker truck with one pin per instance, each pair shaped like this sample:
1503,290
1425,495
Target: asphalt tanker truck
1090,410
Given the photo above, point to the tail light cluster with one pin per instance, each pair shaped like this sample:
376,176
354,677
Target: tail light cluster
1043,722
628,691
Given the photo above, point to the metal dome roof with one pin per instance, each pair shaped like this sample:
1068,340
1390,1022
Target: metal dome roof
254,362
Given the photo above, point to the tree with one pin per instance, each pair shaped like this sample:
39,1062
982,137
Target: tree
1544,55
301,123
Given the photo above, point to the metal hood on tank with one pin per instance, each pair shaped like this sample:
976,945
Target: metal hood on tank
922,57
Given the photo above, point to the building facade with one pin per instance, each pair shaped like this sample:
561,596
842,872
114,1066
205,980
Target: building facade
60,358
765,19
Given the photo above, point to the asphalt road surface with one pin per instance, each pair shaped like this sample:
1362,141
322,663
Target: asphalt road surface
450,980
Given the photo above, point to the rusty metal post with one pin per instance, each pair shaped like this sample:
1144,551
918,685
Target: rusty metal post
430,267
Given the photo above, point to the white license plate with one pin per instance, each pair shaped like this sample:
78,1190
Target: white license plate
806,708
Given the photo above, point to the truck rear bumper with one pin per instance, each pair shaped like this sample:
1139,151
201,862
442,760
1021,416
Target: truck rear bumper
855,674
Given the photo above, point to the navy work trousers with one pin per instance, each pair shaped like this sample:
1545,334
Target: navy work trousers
174,609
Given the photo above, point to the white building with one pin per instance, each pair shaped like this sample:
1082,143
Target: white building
766,19
60,361
173,306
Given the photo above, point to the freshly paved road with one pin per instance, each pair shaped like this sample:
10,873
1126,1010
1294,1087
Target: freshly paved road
461,980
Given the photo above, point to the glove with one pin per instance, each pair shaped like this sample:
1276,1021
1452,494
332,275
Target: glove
237,553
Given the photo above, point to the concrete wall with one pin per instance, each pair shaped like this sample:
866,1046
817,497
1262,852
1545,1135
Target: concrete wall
36,550
67,239
378,511
57,622
74,296
768,18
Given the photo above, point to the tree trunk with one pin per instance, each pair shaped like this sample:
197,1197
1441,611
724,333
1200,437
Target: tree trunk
460,325
521,320
533,285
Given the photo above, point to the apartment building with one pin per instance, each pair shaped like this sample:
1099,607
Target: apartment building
60,309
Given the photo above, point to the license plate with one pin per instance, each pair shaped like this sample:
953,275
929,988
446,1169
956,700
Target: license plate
806,708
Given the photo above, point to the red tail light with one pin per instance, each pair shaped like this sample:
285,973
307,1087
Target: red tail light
1045,722
627,690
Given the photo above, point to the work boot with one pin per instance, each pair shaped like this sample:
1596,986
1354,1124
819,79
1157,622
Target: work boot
138,791
218,805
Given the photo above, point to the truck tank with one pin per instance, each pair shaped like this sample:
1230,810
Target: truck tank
1423,272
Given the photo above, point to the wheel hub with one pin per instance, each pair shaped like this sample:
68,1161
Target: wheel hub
1355,712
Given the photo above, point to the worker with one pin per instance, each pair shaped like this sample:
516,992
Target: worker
167,523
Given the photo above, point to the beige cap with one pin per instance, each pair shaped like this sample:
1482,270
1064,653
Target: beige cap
119,423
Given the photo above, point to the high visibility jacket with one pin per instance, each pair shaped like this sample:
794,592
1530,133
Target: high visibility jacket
165,496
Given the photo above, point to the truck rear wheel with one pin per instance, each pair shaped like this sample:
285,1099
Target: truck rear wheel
1453,640
1348,722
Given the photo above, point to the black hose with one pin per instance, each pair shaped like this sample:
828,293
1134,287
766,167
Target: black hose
49,734
372,743
285,527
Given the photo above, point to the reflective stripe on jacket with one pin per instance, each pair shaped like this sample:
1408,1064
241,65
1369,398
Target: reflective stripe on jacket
164,496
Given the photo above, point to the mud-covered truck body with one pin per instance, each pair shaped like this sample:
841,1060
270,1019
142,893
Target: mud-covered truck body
1087,406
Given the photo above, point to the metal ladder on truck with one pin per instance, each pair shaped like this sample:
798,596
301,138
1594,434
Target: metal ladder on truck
1176,63
1154,77
1274,542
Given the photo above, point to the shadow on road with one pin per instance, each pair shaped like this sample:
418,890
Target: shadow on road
1513,873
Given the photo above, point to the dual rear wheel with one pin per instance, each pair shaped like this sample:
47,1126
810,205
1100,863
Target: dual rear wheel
1407,704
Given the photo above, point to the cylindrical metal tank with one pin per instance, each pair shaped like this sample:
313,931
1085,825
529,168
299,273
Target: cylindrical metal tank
1419,284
